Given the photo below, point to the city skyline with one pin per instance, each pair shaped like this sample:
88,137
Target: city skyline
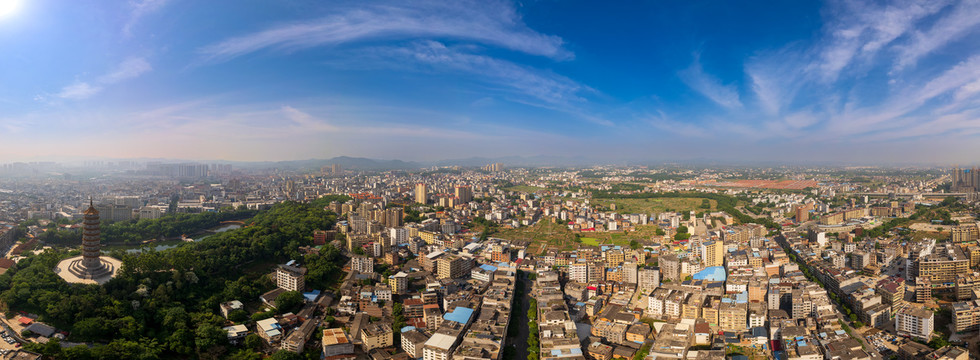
426,81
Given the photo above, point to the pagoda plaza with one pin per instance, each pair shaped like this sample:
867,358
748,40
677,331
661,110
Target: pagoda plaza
90,267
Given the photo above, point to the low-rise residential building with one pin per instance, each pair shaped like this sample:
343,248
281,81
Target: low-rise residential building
376,335
336,342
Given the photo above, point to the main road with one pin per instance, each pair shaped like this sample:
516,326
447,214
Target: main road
520,341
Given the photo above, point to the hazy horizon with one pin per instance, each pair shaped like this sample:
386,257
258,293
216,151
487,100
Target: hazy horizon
800,82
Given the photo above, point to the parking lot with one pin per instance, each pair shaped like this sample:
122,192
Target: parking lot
886,344
8,344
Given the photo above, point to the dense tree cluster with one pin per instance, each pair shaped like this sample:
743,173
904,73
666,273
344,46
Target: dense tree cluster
164,303
135,231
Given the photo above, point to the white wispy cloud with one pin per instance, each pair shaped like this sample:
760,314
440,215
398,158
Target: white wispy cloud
860,29
128,69
709,86
915,97
78,90
511,81
138,10
491,22
856,80
662,121
776,78
542,85
961,20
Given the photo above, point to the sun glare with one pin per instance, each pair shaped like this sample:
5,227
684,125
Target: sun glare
8,7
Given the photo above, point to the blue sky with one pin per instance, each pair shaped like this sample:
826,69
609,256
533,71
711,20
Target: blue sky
416,80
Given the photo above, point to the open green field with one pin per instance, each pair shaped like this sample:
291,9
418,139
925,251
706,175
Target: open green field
541,235
547,234
939,236
656,205
525,188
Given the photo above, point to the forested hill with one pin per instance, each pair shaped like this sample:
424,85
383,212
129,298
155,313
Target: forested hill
165,304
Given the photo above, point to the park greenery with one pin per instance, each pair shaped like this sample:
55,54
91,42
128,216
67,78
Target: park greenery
136,231
163,304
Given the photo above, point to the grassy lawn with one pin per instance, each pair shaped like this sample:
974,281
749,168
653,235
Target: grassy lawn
525,188
656,205
590,241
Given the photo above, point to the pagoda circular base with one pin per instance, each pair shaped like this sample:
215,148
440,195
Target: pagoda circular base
72,270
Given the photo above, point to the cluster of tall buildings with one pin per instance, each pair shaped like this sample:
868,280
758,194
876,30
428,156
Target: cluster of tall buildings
965,180
461,194
495,167
187,170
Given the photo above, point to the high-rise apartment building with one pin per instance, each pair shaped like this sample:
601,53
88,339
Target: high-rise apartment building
398,235
464,193
495,167
630,272
803,213
579,272
648,278
713,252
421,193
670,267
394,217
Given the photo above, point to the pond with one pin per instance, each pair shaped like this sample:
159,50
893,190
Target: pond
170,244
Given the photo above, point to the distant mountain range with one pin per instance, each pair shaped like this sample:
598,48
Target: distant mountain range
346,162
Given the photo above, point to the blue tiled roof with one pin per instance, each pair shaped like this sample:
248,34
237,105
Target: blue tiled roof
711,273
460,315
488,267
312,295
